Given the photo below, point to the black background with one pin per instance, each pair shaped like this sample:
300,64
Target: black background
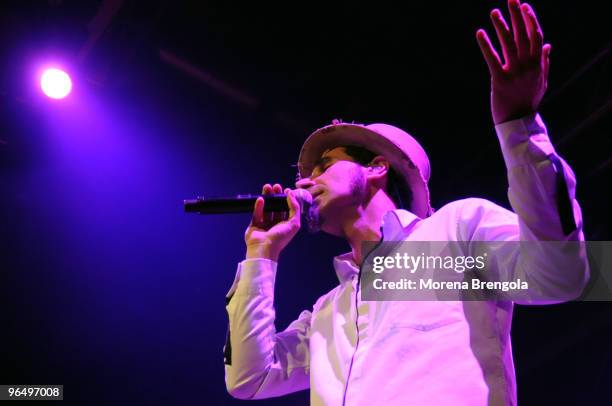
109,289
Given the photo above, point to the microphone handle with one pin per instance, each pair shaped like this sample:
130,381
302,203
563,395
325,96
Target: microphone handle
237,204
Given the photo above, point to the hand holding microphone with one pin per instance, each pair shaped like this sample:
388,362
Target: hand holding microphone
276,216
270,232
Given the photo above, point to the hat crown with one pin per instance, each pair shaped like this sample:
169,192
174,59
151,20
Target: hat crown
407,143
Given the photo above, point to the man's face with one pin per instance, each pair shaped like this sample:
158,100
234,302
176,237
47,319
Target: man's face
338,185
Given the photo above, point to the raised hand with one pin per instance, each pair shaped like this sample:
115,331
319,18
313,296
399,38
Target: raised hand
269,232
519,82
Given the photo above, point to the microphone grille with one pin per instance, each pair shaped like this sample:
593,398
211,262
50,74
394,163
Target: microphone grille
303,196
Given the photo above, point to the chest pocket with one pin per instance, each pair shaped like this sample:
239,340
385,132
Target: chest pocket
425,326
424,316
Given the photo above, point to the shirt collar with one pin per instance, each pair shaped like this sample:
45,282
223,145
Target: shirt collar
394,224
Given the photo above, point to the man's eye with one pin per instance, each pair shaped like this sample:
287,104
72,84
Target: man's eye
319,170
324,168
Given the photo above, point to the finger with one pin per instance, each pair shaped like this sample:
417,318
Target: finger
295,211
536,36
277,216
490,55
505,36
258,213
520,31
293,203
267,216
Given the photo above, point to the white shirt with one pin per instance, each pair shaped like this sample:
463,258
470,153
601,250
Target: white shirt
354,352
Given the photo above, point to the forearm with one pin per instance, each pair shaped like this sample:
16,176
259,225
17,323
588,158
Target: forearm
541,191
541,186
260,362
262,251
251,327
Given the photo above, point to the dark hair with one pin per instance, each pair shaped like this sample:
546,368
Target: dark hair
397,189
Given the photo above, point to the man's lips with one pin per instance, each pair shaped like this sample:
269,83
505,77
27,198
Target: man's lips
315,193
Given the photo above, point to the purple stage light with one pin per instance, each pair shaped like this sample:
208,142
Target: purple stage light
55,83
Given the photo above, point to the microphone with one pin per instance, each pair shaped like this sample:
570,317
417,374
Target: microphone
245,203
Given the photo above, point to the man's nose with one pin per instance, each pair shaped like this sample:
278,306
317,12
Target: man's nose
304,183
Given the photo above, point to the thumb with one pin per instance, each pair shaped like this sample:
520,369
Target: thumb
295,209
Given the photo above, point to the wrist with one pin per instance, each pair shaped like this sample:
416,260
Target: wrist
261,251
504,118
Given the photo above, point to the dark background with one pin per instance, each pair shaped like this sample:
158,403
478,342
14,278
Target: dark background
108,288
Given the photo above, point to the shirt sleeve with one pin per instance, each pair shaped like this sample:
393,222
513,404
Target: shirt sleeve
541,185
259,362
541,191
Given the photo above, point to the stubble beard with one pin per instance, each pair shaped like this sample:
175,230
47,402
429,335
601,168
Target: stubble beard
357,188
313,219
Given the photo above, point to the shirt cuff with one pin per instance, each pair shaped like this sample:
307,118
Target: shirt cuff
524,141
254,275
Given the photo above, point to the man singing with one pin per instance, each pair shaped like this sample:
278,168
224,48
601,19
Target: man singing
369,183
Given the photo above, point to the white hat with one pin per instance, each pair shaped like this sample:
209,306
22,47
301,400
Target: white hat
405,155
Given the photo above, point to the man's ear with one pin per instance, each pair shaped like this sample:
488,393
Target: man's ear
378,168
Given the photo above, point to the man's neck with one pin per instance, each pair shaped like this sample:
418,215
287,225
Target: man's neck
365,224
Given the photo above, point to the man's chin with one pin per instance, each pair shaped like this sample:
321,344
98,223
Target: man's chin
313,218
